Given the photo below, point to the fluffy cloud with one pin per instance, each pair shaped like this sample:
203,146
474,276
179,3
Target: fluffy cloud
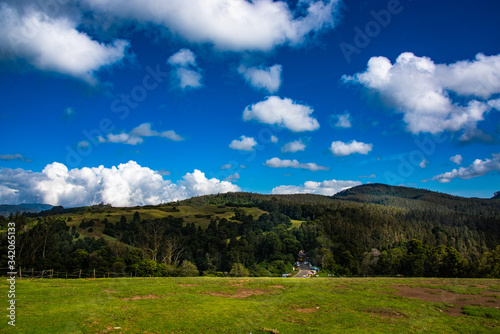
293,146
136,136
187,73
54,44
340,148
232,178
328,188
245,144
278,163
456,159
268,78
126,185
282,112
341,121
478,168
274,139
235,25
434,97
423,163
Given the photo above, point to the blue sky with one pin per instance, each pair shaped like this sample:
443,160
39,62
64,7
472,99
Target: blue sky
153,101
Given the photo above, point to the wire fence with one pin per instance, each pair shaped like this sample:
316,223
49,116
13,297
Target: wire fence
51,273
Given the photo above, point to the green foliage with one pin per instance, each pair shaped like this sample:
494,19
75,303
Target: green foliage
238,270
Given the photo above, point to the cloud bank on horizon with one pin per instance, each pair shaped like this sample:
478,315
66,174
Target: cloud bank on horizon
126,185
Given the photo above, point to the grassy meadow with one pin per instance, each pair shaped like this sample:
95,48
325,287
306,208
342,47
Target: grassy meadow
256,305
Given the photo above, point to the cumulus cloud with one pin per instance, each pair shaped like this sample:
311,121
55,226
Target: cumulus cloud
477,168
186,73
434,97
227,166
236,25
456,159
341,121
267,78
54,44
128,184
328,188
278,163
245,144
274,139
341,149
293,146
136,136
423,163
282,112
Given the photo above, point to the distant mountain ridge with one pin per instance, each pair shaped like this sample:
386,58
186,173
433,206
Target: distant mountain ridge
7,209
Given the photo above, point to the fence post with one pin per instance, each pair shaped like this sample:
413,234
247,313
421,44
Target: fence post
80,275
20,273
94,273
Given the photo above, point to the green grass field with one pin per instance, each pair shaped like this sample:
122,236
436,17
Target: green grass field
256,305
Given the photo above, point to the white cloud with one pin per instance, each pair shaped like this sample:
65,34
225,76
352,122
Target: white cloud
433,97
494,104
340,148
293,146
282,112
236,25
232,178
54,44
245,144
187,73
328,188
456,159
7,157
477,168
227,166
128,184
268,78
370,176
423,164
278,163
343,121
274,139
136,136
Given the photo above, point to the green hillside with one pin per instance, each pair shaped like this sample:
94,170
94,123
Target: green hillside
367,230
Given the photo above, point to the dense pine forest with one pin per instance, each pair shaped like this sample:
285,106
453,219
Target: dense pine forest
367,230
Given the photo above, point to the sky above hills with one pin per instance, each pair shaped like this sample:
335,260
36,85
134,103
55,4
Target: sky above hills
144,102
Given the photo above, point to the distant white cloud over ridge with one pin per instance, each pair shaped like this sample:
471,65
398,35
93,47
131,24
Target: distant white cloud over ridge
236,25
283,112
278,163
128,184
434,97
328,188
477,168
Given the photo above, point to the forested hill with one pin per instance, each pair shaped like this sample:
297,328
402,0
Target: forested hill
418,199
381,194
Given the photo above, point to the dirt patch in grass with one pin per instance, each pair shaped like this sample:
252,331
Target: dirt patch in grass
307,309
386,313
443,296
150,296
277,286
240,293
109,291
